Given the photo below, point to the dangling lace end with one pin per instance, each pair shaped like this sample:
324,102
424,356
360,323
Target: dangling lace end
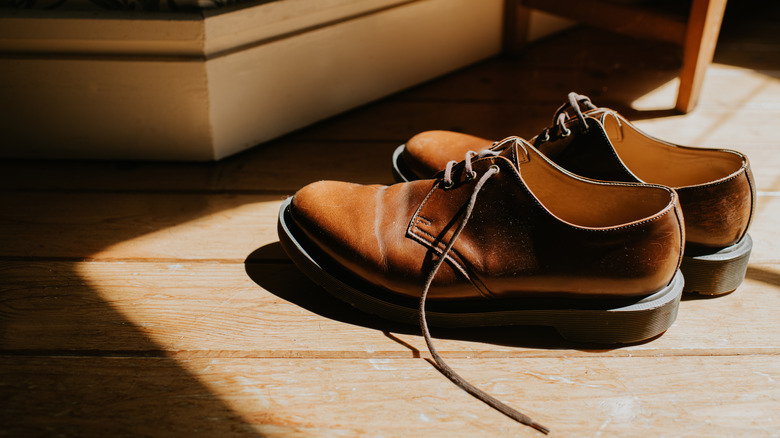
479,394
468,387
540,428
438,360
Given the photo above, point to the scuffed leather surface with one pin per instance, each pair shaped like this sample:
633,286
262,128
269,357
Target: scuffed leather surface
719,214
511,247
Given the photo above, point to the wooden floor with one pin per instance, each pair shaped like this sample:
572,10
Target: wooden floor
154,298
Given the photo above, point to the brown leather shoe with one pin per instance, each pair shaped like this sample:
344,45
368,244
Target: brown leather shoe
503,238
597,261
715,186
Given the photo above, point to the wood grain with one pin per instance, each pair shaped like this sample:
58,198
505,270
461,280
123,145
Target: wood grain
146,226
390,397
246,310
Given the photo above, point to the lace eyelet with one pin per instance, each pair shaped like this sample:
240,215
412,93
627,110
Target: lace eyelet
565,133
471,176
495,166
447,185
544,139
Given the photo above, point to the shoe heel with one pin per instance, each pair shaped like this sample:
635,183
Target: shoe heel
718,273
634,323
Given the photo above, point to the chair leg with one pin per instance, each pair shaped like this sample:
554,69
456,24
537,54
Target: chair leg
516,19
700,40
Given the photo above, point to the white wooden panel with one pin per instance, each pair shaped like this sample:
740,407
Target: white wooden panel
191,33
103,32
229,30
272,89
104,109
75,101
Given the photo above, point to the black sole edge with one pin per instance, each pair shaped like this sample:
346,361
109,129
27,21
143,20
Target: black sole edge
717,273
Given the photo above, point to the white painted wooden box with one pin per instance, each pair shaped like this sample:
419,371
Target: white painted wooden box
204,85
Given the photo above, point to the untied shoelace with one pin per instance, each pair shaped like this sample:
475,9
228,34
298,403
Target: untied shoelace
445,369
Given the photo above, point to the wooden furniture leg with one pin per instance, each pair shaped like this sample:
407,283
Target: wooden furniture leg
698,49
516,21
698,36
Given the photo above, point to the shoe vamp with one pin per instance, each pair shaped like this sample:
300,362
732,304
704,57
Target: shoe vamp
363,231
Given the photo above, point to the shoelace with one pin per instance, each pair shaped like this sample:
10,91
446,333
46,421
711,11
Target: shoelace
559,125
443,367
468,169
558,128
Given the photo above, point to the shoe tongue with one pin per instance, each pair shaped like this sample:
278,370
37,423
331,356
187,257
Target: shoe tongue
588,153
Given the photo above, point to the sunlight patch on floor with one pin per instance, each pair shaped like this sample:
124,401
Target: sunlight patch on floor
731,97
203,228
661,98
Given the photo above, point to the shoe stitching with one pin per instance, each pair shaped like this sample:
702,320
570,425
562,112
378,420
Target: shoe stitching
424,220
742,171
453,257
681,227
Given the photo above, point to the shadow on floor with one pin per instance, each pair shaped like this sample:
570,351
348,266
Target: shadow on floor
74,366
763,275
287,282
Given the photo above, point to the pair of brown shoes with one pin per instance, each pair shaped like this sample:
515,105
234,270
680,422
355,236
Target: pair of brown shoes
715,186
581,229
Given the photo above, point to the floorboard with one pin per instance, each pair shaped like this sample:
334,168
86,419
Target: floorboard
190,309
390,397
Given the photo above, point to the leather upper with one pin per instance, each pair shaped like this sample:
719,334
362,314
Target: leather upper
428,152
715,186
536,230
